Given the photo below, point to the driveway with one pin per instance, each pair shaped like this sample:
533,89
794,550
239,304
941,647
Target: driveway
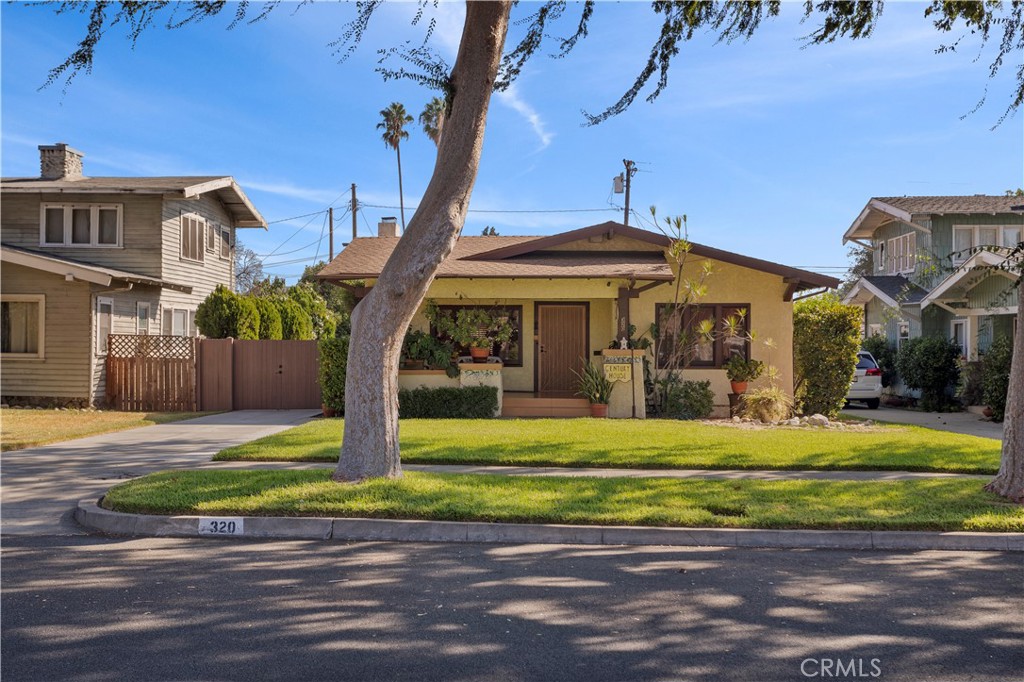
957,422
41,486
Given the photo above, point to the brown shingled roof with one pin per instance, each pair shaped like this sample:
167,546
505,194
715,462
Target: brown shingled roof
528,257
977,203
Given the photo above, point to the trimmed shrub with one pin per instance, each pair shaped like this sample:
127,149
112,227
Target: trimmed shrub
270,318
225,314
930,364
689,399
333,363
971,390
470,402
885,354
826,338
995,370
295,322
323,320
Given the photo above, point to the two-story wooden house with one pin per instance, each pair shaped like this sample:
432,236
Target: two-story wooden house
83,257
929,278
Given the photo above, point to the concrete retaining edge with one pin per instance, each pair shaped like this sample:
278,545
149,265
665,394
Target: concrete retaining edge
91,515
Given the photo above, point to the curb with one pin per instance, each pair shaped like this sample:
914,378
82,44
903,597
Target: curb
92,516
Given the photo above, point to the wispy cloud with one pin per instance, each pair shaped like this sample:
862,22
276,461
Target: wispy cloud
512,99
287,189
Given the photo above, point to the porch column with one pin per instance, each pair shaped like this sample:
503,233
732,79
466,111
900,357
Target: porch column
625,368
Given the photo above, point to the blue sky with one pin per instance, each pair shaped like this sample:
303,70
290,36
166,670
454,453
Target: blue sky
771,150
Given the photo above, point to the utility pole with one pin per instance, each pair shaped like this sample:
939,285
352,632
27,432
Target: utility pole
330,228
355,207
630,172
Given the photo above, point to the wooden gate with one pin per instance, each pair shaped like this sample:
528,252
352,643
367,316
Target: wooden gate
562,342
151,373
258,375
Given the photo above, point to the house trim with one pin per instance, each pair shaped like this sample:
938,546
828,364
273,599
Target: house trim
73,270
981,258
876,214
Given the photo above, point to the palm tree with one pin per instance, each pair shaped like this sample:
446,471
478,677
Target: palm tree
393,125
432,119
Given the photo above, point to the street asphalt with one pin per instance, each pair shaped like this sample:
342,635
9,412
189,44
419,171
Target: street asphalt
97,609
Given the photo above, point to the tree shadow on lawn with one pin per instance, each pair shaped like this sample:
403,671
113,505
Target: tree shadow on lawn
161,609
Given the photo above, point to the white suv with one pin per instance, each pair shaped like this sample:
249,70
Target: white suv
866,386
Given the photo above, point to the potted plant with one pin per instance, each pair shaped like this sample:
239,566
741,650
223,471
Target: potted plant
416,349
741,371
595,388
477,329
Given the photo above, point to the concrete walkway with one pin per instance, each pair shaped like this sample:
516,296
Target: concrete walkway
956,422
42,486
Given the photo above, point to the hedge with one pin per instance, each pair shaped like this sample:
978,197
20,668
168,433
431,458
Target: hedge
225,314
996,375
471,402
930,364
333,363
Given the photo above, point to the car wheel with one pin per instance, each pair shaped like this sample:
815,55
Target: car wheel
873,403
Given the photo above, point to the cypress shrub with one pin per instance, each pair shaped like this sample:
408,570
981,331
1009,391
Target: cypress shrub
470,402
225,314
826,338
270,318
295,322
333,363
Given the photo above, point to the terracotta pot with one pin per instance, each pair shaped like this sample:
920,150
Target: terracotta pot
738,387
328,411
988,412
479,354
598,410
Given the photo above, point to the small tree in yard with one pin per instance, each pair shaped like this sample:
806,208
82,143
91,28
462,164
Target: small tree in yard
295,321
370,445
995,371
270,318
931,365
324,321
826,338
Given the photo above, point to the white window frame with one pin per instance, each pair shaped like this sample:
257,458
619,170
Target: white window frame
874,329
202,227
975,231
100,301
39,299
902,254
225,240
168,330
965,348
139,307
94,225
901,338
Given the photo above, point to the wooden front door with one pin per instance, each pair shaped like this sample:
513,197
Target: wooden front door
562,331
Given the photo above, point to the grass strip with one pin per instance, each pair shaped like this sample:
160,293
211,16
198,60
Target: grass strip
929,504
27,428
649,444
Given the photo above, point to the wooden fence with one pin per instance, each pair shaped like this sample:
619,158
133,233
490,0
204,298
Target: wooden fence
183,374
151,373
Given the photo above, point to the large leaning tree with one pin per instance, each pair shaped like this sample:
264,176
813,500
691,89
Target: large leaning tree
483,66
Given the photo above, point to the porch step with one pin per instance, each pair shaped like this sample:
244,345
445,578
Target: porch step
513,405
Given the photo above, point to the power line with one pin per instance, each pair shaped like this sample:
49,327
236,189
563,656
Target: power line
304,215
497,210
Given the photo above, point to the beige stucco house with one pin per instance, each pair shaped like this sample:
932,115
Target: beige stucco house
83,257
571,295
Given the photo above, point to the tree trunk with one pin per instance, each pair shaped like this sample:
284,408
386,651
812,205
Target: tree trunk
401,196
1009,482
379,322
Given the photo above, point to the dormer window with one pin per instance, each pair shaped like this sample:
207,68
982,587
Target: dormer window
81,225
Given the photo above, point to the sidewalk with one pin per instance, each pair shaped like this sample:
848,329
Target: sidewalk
41,486
956,422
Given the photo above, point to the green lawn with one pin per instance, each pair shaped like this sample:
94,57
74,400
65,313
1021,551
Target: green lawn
28,428
946,505
645,444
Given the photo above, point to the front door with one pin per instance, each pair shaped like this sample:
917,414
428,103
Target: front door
561,346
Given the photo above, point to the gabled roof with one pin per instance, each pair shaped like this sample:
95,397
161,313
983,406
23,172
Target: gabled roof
181,187
880,211
86,272
974,270
893,290
534,257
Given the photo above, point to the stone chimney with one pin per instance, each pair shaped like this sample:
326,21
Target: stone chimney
59,162
388,227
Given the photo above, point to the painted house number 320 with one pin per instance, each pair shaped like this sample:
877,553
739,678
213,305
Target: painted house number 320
221,526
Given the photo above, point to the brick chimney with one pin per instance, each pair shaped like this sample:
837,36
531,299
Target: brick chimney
59,162
388,227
